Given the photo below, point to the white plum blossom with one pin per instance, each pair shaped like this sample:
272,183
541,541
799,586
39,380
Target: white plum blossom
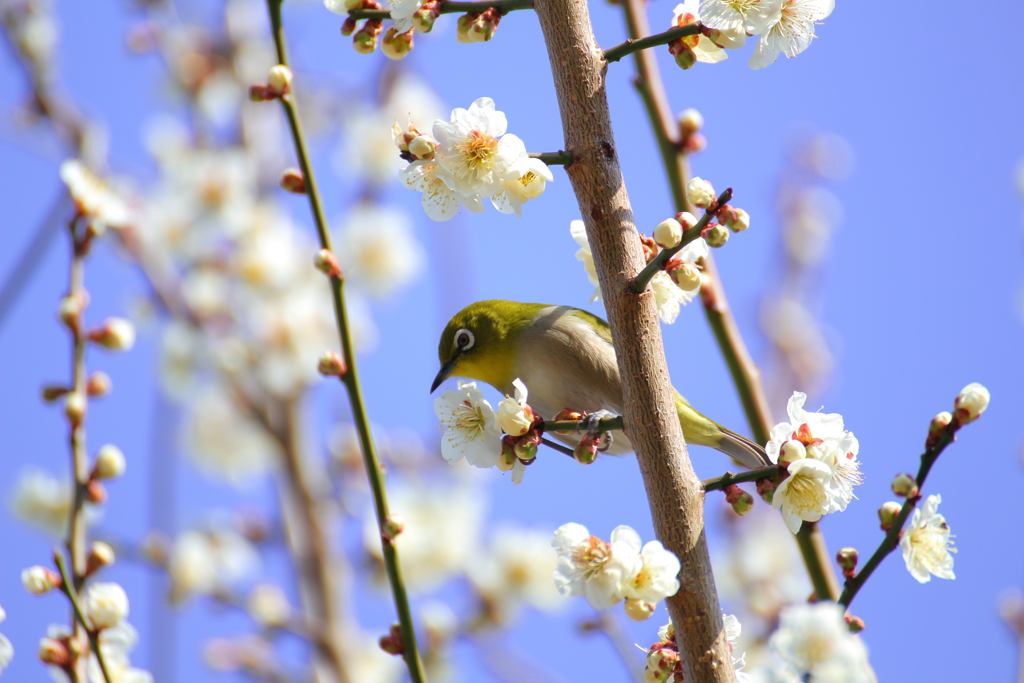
971,402
926,545
786,27
803,495
116,643
591,567
470,427
826,441
92,196
515,571
44,501
514,416
527,186
475,152
732,16
204,562
402,12
106,604
814,640
440,202
377,249
705,50
658,575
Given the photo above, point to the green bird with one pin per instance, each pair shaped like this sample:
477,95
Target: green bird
565,358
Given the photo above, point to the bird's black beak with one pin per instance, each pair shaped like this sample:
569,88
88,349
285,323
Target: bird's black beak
443,373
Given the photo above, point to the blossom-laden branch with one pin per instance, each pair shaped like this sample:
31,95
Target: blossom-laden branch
614,54
452,7
673,142
67,587
349,377
971,402
665,255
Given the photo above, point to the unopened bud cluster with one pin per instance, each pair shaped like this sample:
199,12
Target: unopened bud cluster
847,559
970,403
412,144
478,27
392,643
904,485
888,513
331,364
741,501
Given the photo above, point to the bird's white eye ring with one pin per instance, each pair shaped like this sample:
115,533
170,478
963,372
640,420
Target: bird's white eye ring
464,340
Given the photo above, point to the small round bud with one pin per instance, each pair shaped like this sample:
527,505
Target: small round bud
585,452
638,610
69,310
396,45
260,93
424,18
74,407
668,233
685,58
695,144
364,41
735,219
971,403
348,27
293,181
715,235
39,580
937,428
690,121
279,80
110,463
513,418
888,513
98,384
114,334
106,604
422,147
766,489
686,276
52,392
53,651
686,219
508,454
855,624
526,449
462,27
847,559
903,485
327,263
95,492
100,555
393,526
331,364
392,643
701,193
741,501
268,606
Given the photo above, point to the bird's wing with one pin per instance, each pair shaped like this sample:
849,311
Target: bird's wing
599,325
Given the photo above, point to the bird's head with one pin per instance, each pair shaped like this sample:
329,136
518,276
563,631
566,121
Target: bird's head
481,341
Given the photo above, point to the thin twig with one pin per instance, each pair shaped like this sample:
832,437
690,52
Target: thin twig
728,479
892,536
350,379
665,255
559,158
450,7
68,588
614,54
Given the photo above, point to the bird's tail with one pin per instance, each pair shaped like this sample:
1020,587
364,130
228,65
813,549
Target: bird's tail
742,449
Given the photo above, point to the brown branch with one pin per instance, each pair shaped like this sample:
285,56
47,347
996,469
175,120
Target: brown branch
674,492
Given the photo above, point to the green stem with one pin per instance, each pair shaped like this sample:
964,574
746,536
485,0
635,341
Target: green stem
728,479
614,54
350,379
892,536
503,6
665,255
559,158
68,588
743,370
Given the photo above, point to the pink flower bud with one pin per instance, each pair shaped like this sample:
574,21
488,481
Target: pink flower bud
396,45
393,526
392,643
424,18
293,181
686,219
331,364
685,58
735,219
348,27
585,452
53,651
260,93
847,559
365,39
741,501
98,384
95,492
39,580
855,624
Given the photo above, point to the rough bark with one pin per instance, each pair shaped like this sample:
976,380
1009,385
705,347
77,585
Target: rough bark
676,499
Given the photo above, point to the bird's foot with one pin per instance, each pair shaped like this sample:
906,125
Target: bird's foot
591,424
